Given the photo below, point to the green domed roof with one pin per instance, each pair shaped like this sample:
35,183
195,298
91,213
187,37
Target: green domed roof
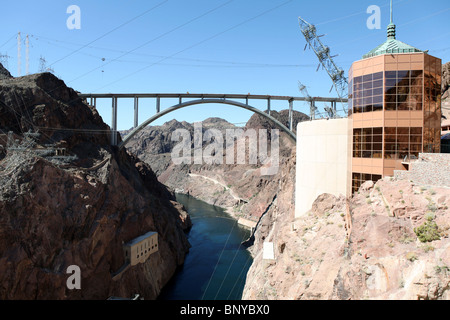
391,46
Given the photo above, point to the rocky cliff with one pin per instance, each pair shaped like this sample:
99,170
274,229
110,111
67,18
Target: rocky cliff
390,241
4,73
446,92
446,81
78,208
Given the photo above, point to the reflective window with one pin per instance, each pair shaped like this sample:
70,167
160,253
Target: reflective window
359,178
368,143
432,111
401,143
404,90
367,92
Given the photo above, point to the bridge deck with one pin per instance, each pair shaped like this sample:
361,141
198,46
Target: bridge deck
208,96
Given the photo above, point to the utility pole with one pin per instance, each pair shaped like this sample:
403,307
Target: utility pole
19,55
340,82
27,53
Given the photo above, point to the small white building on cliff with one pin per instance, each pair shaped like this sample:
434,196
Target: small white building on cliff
139,249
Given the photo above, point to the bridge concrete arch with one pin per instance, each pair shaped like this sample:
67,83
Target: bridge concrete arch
205,101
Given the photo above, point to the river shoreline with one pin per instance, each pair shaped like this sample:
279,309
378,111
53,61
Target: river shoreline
217,264
246,223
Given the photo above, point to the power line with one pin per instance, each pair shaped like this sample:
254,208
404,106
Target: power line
218,260
75,130
224,63
63,47
228,271
426,17
12,47
356,40
157,38
5,43
160,36
111,31
218,64
352,15
199,43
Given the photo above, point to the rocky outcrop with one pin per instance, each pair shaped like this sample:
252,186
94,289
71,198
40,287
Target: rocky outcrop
53,215
259,122
4,74
446,81
377,254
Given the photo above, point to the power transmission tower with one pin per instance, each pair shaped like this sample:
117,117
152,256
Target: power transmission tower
340,82
43,66
19,55
330,111
4,60
27,55
312,107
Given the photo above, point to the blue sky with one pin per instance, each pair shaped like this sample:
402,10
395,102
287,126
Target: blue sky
207,46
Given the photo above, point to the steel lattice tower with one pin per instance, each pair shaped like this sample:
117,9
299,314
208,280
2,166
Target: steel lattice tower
340,82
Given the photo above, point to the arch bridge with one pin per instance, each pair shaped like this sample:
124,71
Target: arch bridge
189,99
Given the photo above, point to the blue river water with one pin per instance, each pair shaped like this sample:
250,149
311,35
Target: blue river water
216,266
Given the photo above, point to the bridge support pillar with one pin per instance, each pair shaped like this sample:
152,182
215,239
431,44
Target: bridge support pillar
158,104
114,122
93,102
291,113
312,110
136,112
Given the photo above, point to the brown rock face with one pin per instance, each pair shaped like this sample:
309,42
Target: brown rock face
257,121
323,203
380,257
80,213
4,74
446,81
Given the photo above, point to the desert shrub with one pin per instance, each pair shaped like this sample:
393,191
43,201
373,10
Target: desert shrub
427,232
411,256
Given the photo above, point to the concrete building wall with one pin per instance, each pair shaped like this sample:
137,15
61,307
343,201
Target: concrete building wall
322,161
139,249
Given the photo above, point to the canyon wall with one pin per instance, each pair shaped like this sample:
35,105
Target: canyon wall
243,189
79,209
389,241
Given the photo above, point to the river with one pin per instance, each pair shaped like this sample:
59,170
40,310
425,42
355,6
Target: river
216,266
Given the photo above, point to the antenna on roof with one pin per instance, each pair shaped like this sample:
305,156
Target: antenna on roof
392,21
391,26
